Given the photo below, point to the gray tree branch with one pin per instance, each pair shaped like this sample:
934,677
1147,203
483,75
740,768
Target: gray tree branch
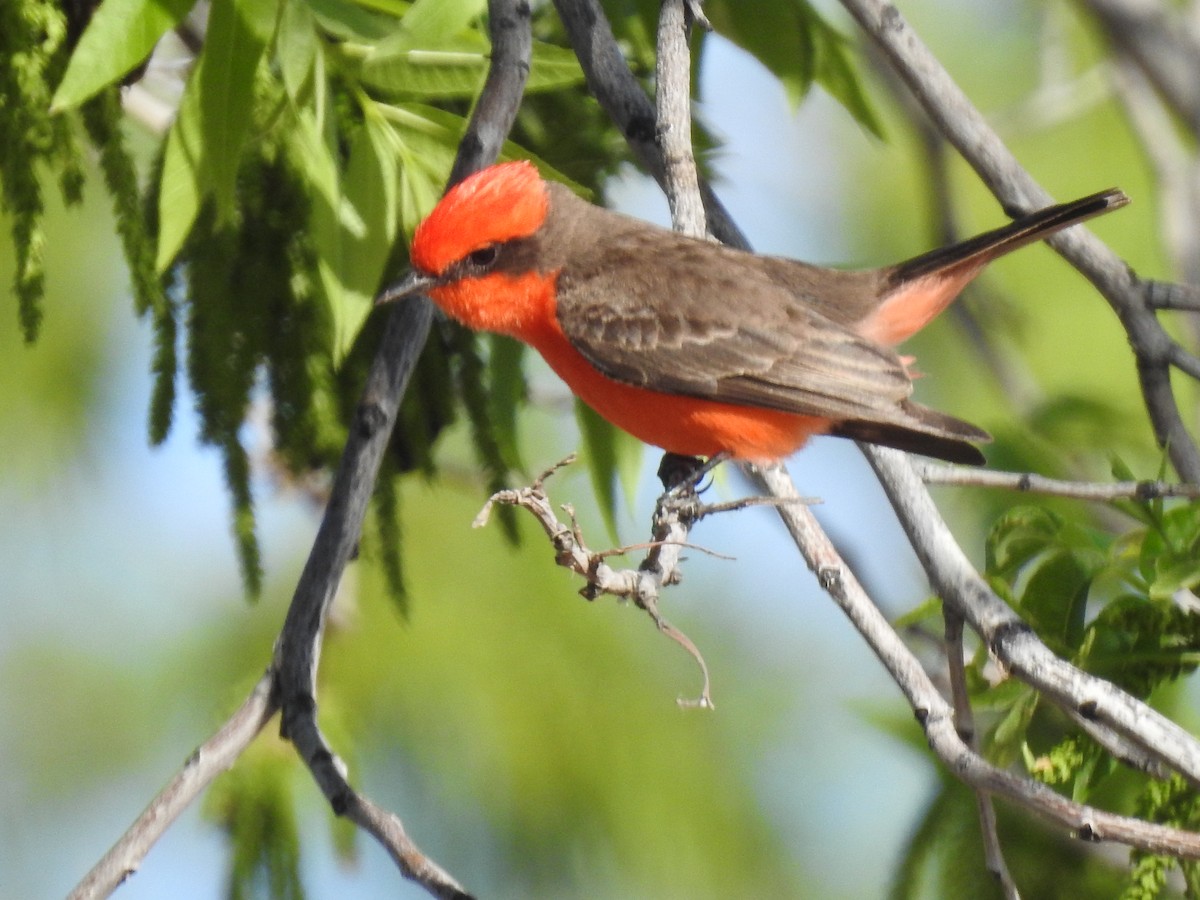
290,682
965,128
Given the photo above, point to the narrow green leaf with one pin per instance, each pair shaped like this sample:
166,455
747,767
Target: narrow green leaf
238,31
363,256
552,68
350,21
429,22
835,72
608,451
507,391
416,120
314,158
121,34
181,187
296,47
456,67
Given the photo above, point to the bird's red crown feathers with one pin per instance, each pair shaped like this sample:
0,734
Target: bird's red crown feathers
497,204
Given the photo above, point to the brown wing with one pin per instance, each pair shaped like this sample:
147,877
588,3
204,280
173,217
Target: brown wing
733,335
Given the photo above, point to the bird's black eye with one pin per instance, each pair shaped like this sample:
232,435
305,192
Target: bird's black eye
484,257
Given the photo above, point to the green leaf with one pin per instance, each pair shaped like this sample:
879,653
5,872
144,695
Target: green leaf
552,68
181,186
929,609
121,34
430,22
314,157
1175,576
835,72
791,39
296,47
456,67
370,187
610,453
507,391
1020,535
1055,598
349,21
238,31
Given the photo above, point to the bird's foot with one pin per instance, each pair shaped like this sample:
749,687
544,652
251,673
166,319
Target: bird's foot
681,474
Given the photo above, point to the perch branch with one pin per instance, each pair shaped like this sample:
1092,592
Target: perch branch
298,649
965,128
1011,640
208,761
933,712
674,515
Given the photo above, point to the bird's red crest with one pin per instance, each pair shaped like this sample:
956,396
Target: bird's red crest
497,204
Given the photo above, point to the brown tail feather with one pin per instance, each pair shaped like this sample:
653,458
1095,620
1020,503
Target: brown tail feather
925,431
1025,230
915,292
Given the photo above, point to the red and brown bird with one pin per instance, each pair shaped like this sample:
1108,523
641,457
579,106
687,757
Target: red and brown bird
695,347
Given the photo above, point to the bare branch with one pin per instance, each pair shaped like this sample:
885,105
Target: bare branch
1025,482
1165,295
673,95
298,649
626,103
1010,639
208,761
933,712
674,516
964,720
968,131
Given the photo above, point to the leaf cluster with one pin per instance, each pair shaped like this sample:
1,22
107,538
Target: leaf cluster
1119,605
311,137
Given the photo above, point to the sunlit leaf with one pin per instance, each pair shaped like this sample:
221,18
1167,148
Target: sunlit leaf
121,34
296,47
238,31
182,185
430,22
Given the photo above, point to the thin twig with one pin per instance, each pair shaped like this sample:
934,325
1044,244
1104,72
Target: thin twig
674,515
1025,482
1169,295
673,100
208,761
622,97
964,721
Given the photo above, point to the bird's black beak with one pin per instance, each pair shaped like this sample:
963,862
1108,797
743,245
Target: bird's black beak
413,282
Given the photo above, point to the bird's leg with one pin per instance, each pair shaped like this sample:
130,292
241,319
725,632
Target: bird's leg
680,474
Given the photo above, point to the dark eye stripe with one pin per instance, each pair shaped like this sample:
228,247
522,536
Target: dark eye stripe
484,256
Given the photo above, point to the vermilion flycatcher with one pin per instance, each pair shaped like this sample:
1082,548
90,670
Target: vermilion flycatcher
696,347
